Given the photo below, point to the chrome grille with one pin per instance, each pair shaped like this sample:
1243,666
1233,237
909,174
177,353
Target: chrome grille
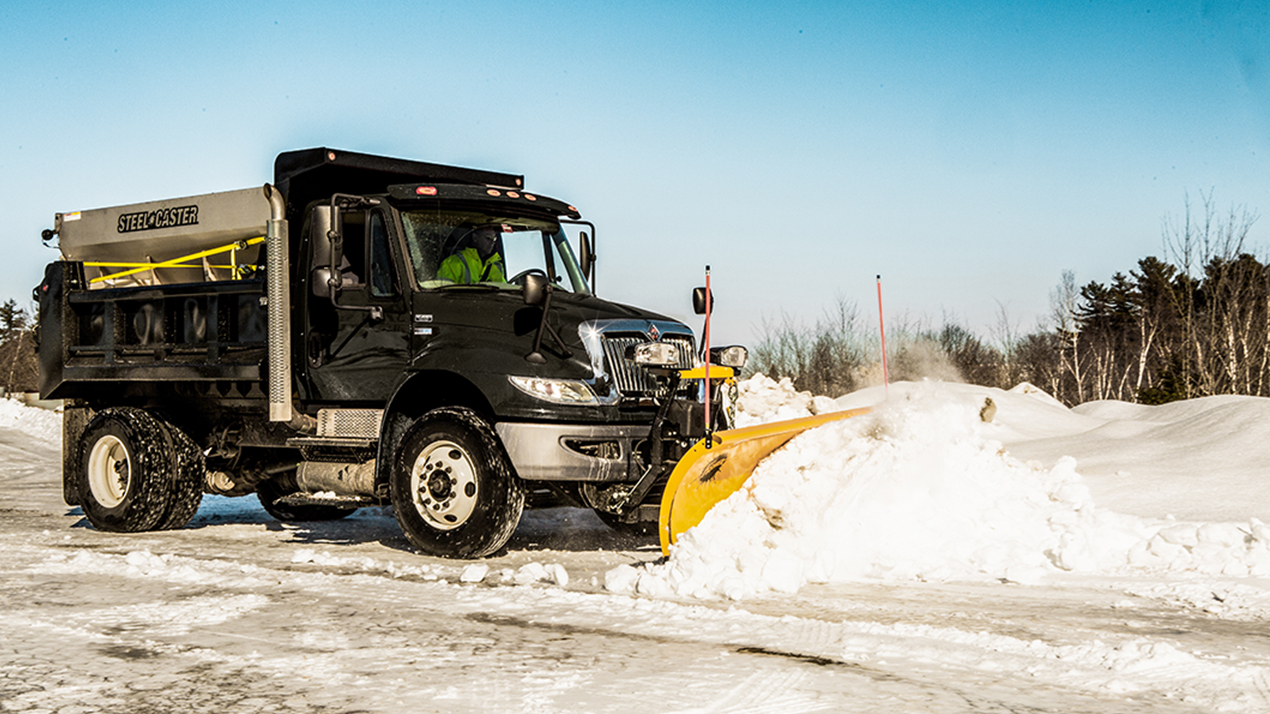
630,378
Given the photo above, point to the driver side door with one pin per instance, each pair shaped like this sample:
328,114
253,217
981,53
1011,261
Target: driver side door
353,357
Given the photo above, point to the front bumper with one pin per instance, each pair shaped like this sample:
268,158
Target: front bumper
573,452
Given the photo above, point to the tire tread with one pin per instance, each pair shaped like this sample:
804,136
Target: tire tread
495,519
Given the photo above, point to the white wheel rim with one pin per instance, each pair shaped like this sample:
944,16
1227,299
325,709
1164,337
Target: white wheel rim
109,471
443,485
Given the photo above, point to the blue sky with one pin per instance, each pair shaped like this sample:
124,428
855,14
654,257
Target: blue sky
967,152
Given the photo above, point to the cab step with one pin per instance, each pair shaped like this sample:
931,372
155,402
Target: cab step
326,499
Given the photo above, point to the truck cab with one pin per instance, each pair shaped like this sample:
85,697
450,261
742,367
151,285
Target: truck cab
400,333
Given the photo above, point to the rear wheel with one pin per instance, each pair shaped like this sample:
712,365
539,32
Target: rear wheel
189,472
453,489
125,471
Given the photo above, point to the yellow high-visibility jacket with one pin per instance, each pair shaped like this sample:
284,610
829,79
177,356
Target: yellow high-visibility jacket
467,267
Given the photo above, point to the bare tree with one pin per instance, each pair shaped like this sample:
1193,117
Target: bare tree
17,348
1207,246
1063,303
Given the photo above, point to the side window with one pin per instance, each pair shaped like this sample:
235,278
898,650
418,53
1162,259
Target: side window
426,237
382,276
353,266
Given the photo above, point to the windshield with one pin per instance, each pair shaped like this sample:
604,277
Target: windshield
451,247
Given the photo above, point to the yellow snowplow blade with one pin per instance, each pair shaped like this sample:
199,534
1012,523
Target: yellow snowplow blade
705,476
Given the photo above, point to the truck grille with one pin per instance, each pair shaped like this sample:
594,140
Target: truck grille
629,378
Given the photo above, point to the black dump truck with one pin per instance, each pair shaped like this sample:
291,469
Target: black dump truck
429,338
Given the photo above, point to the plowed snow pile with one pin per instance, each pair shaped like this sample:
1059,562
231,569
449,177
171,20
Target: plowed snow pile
924,488
40,424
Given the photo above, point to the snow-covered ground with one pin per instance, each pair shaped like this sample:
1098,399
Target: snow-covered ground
933,486
959,549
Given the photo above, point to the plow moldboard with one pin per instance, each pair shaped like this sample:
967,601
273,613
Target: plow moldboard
706,476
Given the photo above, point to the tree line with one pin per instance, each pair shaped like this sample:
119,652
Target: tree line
1193,322
19,366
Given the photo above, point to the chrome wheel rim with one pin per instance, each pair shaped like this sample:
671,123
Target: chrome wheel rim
109,471
443,485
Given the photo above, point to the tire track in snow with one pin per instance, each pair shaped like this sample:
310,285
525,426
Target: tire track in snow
765,693
979,670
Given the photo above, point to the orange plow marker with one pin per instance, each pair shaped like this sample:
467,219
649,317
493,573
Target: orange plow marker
706,476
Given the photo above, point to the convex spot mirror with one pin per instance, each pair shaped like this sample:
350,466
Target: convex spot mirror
699,301
534,291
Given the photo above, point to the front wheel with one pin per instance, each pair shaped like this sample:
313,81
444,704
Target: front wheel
453,489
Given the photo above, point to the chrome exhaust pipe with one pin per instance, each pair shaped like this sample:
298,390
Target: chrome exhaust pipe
278,294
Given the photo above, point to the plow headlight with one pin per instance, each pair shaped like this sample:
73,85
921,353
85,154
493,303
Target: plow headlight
654,354
558,391
734,356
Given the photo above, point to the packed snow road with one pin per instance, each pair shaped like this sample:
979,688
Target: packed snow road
240,613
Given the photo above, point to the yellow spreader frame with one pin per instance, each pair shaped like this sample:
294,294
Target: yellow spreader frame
134,268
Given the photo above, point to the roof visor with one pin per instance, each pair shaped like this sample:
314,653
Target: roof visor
461,192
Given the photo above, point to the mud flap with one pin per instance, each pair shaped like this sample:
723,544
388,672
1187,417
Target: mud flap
706,476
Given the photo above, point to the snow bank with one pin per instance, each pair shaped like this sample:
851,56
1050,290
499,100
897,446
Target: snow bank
763,399
42,424
1198,460
924,489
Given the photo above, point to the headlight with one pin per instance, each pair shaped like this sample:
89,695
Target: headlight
559,391
654,354
734,356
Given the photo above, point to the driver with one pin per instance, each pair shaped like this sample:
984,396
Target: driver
479,262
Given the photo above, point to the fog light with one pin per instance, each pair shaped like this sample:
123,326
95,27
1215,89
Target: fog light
734,356
654,354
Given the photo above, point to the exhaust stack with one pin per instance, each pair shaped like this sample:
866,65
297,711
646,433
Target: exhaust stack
278,292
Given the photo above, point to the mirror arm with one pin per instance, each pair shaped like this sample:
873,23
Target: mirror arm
336,237
535,356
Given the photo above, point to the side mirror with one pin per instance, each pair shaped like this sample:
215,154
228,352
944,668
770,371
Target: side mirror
328,251
320,243
586,256
320,225
699,301
534,291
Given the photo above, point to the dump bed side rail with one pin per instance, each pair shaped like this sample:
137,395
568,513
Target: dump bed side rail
164,333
